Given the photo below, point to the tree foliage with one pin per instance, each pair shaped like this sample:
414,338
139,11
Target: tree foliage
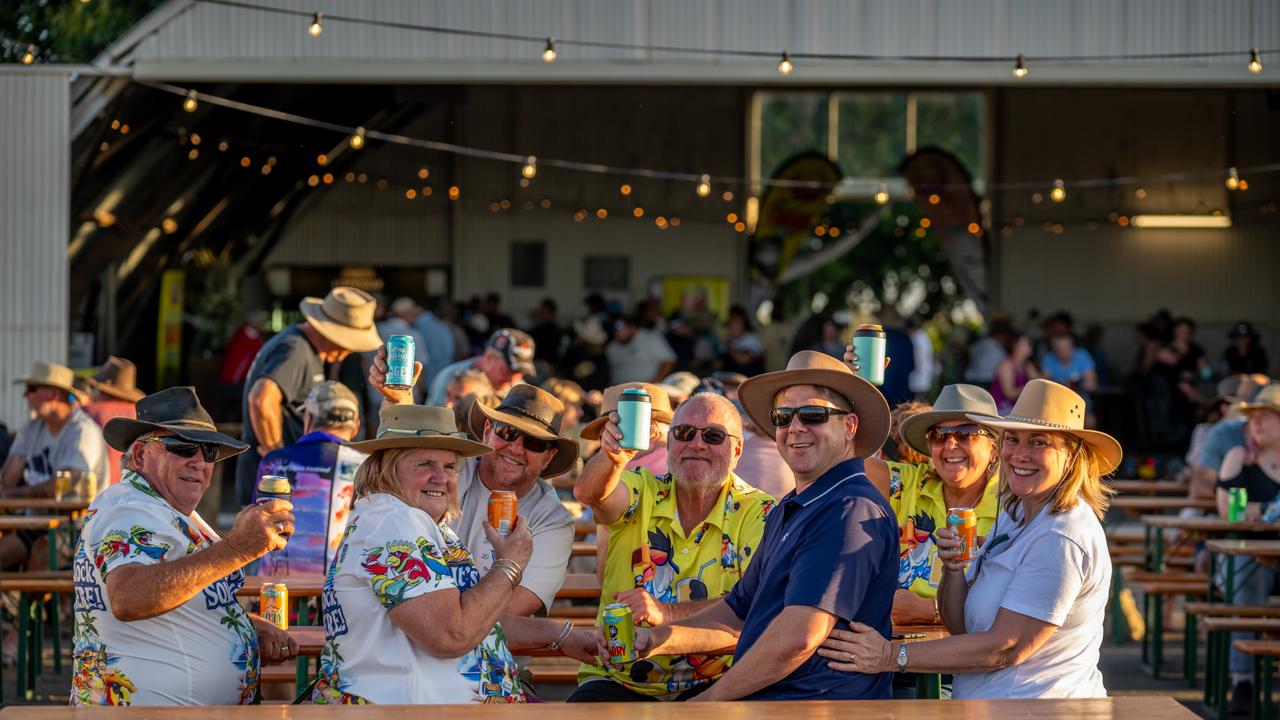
66,31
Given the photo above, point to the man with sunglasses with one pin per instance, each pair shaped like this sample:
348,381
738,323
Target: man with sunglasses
829,555
157,621
678,541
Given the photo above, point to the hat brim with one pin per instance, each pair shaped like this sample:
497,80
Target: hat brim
28,380
121,432
462,446
1246,407
566,449
346,337
757,393
1108,448
593,429
915,429
128,395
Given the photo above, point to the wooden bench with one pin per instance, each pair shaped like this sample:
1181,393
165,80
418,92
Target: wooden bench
1264,653
579,586
583,549
573,611
37,589
1153,591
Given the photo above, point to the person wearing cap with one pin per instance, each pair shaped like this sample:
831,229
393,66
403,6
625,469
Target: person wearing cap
467,382
293,362
156,616
680,385
1245,354
321,469
638,354
114,394
678,541
1025,617
507,360
829,554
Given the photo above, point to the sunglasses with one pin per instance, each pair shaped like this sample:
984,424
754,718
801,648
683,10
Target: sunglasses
710,435
511,434
185,449
809,415
962,433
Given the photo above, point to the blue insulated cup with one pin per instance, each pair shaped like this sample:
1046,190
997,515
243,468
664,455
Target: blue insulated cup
868,345
635,409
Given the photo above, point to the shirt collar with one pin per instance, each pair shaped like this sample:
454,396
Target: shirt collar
931,488
830,479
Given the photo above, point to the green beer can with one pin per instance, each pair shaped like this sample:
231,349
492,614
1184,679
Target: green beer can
1237,498
619,633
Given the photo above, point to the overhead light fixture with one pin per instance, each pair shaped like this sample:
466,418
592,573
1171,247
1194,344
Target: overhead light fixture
1255,62
316,27
549,53
1182,222
1020,68
785,66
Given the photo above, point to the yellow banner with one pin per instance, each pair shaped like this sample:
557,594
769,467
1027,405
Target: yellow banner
169,328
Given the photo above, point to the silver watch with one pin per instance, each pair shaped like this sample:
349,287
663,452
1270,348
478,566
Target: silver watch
902,657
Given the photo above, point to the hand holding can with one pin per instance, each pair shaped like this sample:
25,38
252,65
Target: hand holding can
963,521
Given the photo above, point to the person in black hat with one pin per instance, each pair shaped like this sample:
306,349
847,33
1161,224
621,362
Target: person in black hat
157,620
1245,354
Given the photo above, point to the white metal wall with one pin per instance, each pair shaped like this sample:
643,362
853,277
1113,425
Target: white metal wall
34,205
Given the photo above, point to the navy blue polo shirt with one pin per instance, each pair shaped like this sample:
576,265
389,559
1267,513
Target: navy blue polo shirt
833,547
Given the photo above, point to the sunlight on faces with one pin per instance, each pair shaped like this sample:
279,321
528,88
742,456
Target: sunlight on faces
459,388
696,462
494,364
1033,463
181,481
510,466
958,462
1264,427
44,400
429,480
810,450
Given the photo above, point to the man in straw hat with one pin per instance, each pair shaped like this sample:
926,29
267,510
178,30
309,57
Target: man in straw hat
115,393
293,362
678,541
829,556
157,620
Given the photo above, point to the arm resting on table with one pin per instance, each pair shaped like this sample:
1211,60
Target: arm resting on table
786,644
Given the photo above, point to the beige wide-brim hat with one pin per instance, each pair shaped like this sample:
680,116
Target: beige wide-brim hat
1268,398
659,412
533,411
1046,405
345,318
954,403
420,426
118,378
814,368
52,375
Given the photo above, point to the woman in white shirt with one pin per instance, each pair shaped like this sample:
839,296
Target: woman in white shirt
1026,618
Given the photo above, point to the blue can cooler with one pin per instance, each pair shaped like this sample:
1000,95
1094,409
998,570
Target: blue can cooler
635,409
869,346
400,354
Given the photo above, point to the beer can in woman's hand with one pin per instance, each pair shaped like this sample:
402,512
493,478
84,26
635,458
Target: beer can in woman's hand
502,511
963,522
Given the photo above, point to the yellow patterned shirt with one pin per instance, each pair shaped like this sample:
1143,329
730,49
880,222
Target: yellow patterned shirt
649,549
915,494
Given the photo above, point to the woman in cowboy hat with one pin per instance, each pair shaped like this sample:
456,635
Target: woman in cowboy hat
1026,618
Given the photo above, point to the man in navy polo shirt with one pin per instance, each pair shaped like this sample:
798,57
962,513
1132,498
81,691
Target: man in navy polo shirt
829,555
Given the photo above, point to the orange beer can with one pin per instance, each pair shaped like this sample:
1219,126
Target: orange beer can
963,522
274,604
502,511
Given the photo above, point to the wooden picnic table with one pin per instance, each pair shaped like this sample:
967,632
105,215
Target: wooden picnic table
1148,487
14,523
1254,548
1194,527
1138,505
580,586
72,506
1146,707
310,585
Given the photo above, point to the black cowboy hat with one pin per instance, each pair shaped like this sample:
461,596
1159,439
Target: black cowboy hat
535,412
178,411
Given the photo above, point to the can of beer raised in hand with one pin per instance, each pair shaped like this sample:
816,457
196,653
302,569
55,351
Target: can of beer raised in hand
502,511
619,633
400,354
274,604
963,522
275,487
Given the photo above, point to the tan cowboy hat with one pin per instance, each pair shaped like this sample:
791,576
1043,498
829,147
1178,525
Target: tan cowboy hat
117,377
532,411
345,318
420,426
955,402
1268,398
659,412
814,368
178,410
1046,405
52,375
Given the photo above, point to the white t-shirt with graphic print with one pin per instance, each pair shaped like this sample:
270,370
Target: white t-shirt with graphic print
203,652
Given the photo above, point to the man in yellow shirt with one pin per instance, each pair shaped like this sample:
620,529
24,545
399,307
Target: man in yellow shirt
677,542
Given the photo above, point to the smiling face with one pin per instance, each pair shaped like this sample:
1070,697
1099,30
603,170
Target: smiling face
429,480
510,466
1034,462
181,481
696,462
960,460
810,450
1264,428
46,402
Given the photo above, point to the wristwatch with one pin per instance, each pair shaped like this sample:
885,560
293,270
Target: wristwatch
902,657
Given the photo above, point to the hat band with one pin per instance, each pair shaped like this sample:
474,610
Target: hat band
428,432
324,310
185,424
1038,421
512,409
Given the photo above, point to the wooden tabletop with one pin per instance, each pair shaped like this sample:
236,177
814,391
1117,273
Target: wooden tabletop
930,632
1256,548
310,639
1207,525
1156,504
300,586
65,505
1149,487
1147,707
29,522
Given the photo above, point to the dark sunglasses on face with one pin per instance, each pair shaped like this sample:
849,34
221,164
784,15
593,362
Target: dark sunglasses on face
710,435
511,434
962,433
809,415
185,449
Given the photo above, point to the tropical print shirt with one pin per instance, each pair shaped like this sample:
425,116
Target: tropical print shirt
203,652
392,553
915,494
648,549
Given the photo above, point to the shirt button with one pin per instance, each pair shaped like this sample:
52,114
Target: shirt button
686,551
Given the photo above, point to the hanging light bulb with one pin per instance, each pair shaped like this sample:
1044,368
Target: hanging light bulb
29,56
1059,191
357,140
785,66
190,103
704,186
316,28
1233,179
530,167
882,195
1255,62
549,54
1020,68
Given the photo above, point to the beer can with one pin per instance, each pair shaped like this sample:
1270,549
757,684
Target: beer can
619,633
502,511
963,522
400,354
1237,498
274,487
274,604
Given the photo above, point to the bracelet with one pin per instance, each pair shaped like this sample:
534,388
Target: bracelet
564,635
511,569
937,614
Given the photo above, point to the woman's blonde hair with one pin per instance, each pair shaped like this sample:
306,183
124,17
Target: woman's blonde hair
1081,480
377,474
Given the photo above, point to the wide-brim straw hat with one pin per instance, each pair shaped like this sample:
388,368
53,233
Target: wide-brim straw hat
814,368
1268,398
535,412
660,410
118,378
52,375
954,403
1046,405
420,426
178,410
345,318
